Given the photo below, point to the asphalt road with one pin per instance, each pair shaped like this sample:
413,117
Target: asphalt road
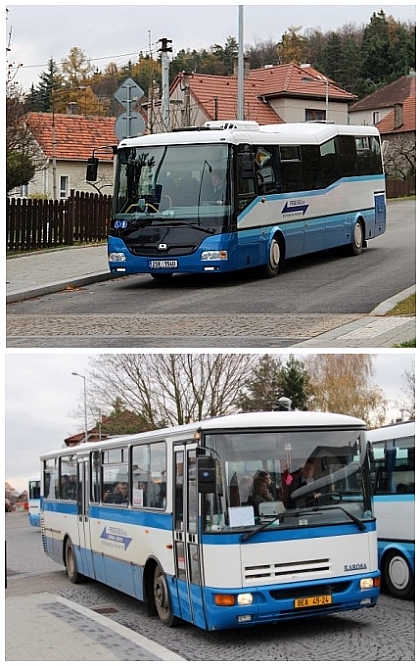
384,633
314,294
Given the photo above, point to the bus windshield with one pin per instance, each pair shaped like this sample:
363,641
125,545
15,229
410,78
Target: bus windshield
158,185
288,479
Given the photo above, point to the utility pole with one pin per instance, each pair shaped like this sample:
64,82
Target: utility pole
165,49
241,64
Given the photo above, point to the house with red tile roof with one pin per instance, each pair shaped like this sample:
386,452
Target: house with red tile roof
278,94
63,144
393,110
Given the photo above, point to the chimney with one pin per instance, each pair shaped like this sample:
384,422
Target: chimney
398,116
72,109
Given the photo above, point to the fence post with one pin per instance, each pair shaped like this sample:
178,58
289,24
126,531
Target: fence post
69,219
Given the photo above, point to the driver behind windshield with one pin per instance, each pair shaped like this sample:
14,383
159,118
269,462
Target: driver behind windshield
305,477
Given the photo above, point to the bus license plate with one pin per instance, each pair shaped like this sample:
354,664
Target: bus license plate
163,263
313,601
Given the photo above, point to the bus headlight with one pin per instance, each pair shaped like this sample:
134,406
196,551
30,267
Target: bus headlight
117,256
368,583
214,255
245,599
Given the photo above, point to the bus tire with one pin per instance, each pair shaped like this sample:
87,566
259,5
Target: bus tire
356,246
272,267
162,599
398,577
71,566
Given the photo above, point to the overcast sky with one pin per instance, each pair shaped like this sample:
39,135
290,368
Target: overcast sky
44,402
117,33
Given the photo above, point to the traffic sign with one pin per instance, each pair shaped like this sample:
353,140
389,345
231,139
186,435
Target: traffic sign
129,92
127,125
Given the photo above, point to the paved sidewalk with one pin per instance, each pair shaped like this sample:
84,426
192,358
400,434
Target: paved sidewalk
41,273
48,627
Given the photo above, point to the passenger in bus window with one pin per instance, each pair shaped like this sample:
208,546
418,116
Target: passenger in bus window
260,493
120,493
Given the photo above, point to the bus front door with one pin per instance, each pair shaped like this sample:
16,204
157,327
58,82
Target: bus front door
186,535
83,526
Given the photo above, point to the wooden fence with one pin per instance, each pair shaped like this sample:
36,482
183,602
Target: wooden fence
400,188
34,224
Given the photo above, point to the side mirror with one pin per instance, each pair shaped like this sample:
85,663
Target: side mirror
92,169
206,466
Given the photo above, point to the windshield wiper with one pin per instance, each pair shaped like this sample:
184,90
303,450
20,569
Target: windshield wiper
360,524
248,535
165,222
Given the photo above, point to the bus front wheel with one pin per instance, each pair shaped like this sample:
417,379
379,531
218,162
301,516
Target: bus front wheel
398,577
162,599
272,267
71,565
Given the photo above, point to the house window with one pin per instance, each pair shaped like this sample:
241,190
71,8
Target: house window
314,114
64,187
375,117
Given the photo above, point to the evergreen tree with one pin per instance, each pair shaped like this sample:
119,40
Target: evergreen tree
264,389
376,50
40,97
295,383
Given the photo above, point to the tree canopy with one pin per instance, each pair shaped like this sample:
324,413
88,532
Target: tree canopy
139,392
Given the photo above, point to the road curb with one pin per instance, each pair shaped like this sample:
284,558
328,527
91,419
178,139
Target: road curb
36,292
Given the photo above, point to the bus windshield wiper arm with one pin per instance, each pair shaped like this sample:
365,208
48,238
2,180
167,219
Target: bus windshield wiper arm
166,222
248,535
360,524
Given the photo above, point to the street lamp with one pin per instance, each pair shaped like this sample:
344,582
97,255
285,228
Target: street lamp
85,400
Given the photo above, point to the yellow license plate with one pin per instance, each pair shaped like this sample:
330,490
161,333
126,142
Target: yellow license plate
323,600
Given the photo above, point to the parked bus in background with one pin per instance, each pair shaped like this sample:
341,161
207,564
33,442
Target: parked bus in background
171,518
34,490
234,195
393,482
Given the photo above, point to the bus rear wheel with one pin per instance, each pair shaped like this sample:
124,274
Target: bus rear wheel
162,599
398,577
356,246
71,565
272,267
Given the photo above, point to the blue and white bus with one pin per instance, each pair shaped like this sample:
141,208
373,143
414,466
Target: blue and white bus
34,493
169,517
394,482
236,195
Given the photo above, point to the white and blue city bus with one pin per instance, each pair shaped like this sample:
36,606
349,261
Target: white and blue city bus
236,195
394,483
189,539
34,493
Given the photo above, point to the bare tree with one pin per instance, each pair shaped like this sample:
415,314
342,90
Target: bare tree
169,389
409,389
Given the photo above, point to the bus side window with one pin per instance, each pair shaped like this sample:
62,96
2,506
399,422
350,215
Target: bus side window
268,170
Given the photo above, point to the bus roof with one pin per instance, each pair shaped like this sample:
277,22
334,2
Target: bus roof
252,420
392,431
237,132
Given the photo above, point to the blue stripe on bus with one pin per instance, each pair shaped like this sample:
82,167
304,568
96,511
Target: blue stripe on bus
290,534
115,513
393,498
